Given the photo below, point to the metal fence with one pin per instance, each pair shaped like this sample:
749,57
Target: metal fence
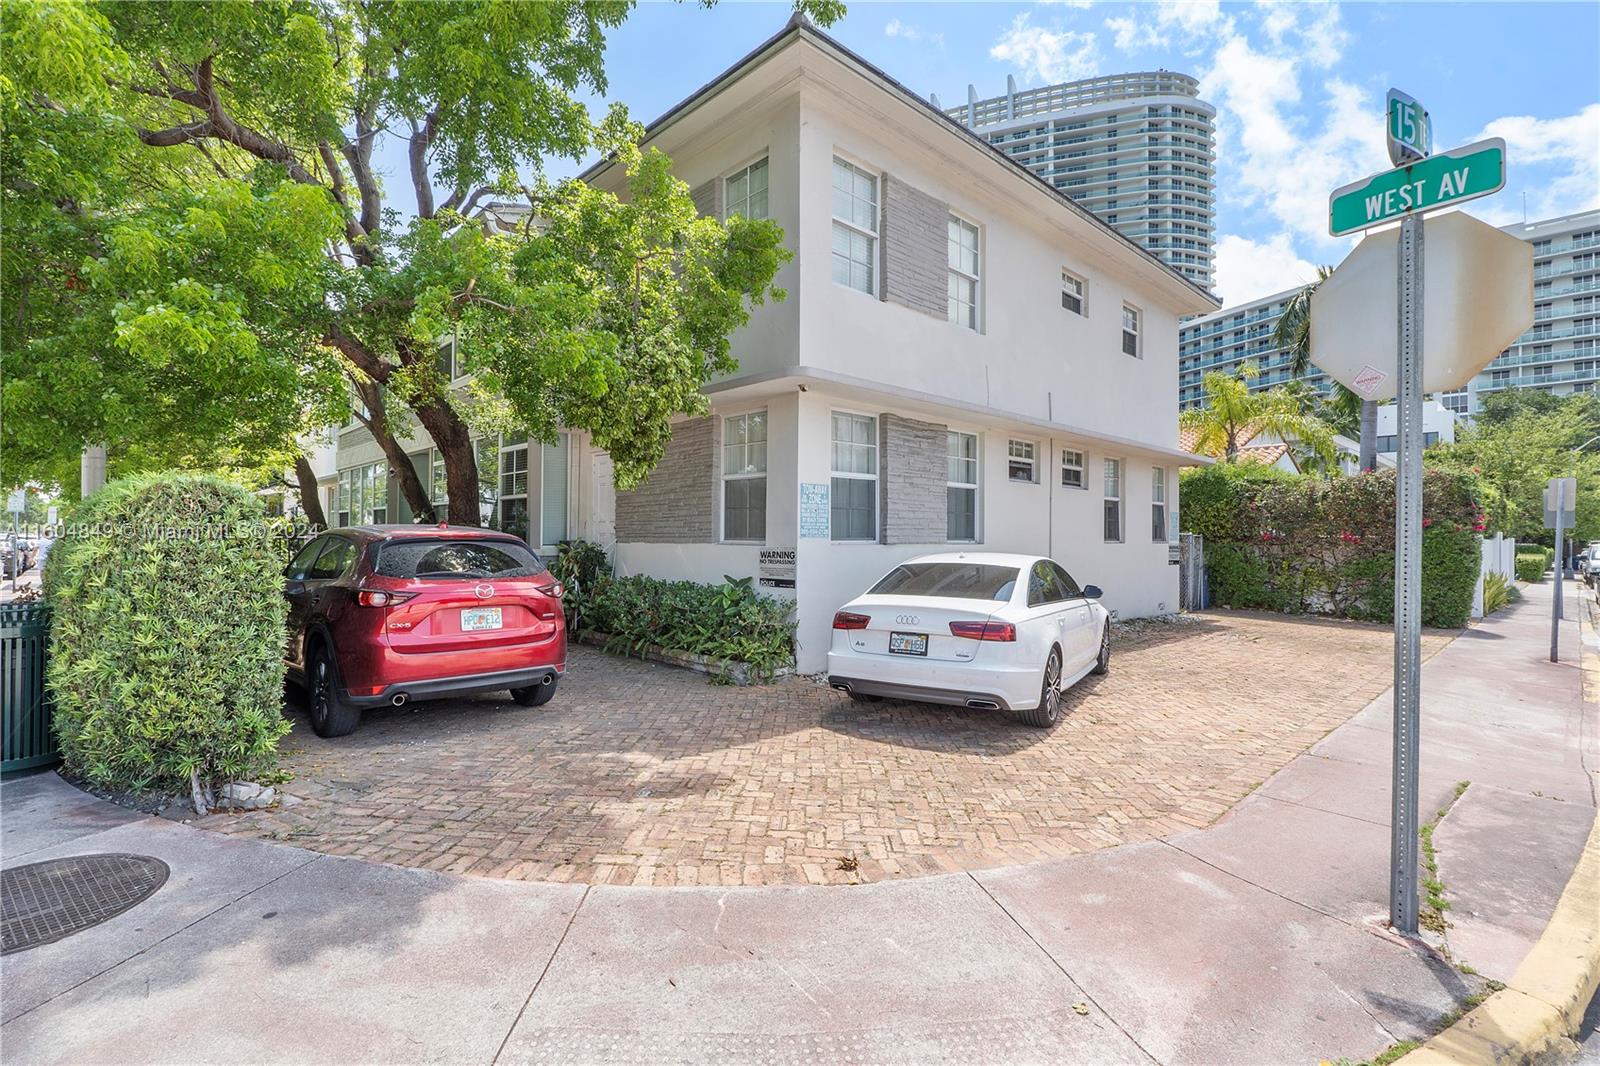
28,740
1194,592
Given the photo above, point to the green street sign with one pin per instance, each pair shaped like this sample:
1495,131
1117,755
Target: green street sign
1410,130
1441,180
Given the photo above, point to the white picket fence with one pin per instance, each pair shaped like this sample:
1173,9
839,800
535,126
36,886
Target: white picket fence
1500,557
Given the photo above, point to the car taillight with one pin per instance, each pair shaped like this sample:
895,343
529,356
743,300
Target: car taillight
984,630
556,589
847,620
382,597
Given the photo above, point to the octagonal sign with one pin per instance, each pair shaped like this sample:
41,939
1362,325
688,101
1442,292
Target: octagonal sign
1477,297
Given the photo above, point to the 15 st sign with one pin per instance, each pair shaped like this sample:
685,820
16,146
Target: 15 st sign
1451,177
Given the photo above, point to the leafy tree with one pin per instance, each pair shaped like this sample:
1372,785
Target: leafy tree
266,116
1342,408
1232,415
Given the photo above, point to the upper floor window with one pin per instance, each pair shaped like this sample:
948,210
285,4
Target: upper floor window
1130,330
1073,292
854,488
1113,499
744,477
961,491
1072,470
363,495
963,288
746,191
855,227
449,361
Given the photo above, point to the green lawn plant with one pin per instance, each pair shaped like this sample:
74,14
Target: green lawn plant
730,621
166,642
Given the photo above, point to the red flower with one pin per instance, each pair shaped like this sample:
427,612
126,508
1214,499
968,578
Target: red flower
1426,522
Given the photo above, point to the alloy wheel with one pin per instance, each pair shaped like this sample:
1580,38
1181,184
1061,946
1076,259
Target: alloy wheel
321,690
1051,697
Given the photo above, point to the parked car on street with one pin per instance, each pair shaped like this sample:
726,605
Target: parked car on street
972,629
1589,563
20,555
388,614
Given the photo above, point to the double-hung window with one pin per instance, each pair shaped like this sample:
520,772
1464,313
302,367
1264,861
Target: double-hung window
961,487
1113,499
512,514
1158,503
1072,471
1073,292
854,488
855,227
963,284
744,477
1022,461
1130,330
364,495
745,192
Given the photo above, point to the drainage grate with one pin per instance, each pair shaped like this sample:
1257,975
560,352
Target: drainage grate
44,901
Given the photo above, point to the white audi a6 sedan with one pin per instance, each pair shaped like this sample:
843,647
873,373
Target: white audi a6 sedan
972,629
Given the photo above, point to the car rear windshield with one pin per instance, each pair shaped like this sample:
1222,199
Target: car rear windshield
967,581
445,560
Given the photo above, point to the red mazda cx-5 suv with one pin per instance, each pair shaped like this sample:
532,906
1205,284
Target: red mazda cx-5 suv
386,614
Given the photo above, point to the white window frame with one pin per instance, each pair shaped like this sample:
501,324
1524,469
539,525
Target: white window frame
833,473
1137,331
1082,295
1107,465
457,374
1081,467
508,451
727,203
1158,504
952,437
1032,461
358,482
852,226
956,272
761,475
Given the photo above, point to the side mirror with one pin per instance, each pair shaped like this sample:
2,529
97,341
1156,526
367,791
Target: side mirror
1092,591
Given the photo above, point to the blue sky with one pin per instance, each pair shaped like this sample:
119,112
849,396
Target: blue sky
1299,89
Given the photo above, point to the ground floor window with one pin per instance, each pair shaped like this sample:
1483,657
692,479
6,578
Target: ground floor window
1072,470
1021,461
744,476
363,496
1113,499
1158,503
513,504
961,487
854,487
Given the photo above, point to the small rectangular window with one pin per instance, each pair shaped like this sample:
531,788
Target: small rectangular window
1130,330
1158,503
855,227
1072,470
1021,461
961,486
744,477
1113,499
963,273
746,191
854,488
1073,292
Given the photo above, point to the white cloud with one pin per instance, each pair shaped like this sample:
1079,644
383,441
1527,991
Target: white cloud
1048,55
1248,270
1130,35
1565,153
1081,5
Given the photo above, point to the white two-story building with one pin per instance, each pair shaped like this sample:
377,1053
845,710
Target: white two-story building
965,357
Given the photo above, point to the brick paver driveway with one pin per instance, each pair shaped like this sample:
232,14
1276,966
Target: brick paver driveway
646,774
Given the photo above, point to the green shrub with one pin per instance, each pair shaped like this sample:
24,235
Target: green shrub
1531,564
166,646
1497,592
580,564
1283,542
728,621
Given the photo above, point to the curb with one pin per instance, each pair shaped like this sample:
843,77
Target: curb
1544,1002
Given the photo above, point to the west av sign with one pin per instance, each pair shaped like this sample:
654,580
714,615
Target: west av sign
1441,180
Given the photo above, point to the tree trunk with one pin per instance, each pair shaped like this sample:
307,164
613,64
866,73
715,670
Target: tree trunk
310,498
416,493
1369,435
454,441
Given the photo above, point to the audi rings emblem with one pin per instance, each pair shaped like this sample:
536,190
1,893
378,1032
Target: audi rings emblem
483,591
906,620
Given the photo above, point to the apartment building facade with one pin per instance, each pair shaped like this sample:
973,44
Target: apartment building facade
965,358
1226,340
1139,150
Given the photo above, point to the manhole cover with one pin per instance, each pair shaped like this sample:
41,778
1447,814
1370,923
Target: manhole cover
44,901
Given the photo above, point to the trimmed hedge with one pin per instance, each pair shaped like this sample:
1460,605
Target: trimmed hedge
1284,542
728,621
166,642
1533,561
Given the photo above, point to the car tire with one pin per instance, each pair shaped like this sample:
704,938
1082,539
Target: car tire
1102,662
1048,712
331,715
535,695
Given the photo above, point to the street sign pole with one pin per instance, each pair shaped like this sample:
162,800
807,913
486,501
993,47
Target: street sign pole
1556,609
1408,583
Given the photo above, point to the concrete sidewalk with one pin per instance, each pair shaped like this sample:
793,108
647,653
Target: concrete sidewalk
1256,940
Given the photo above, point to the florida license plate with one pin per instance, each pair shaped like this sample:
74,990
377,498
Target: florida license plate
476,618
908,643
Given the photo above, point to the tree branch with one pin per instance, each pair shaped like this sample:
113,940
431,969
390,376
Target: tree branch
421,141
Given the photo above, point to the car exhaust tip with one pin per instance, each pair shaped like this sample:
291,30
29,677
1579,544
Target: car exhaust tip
399,699
983,705
841,688
549,679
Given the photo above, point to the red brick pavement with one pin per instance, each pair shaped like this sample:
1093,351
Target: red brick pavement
644,774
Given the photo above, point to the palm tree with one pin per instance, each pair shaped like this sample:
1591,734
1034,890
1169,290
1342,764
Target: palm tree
1232,415
1293,333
